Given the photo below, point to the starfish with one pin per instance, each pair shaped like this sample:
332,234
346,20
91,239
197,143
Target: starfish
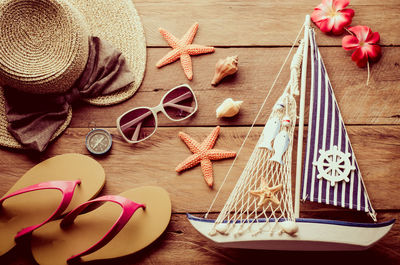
182,49
203,154
266,194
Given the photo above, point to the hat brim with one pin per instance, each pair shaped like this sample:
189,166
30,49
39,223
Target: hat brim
116,22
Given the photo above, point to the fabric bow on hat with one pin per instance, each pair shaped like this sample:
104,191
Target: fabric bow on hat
34,119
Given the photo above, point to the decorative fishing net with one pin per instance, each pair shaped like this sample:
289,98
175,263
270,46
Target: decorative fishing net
243,209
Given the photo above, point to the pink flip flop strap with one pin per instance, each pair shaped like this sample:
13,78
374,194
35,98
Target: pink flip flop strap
128,209
67,189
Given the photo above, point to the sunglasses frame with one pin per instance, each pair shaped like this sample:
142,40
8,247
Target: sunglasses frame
155,110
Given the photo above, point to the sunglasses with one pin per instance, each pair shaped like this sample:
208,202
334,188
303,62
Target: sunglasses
140,123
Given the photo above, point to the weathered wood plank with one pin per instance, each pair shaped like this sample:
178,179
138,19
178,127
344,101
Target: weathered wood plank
256,23
153,162
376,104
260,32
181,243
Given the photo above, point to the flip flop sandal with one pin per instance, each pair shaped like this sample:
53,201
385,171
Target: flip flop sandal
105,232
45,192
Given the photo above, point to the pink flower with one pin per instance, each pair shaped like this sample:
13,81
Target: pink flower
365,43
332,16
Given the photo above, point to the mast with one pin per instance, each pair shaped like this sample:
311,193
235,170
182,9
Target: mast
301,119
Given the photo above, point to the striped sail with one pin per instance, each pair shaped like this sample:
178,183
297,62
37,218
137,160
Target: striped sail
327,136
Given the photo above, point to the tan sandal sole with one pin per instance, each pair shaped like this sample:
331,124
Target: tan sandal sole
34,207
52,246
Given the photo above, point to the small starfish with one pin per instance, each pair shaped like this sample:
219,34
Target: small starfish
203,154
182,49
266,194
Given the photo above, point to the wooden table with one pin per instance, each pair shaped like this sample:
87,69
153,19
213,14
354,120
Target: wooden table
260,32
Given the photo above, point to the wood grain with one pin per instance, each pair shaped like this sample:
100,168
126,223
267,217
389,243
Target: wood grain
152,162
360,104
261,33
256,23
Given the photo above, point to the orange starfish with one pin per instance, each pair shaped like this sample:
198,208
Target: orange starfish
203,154
266,194
182,49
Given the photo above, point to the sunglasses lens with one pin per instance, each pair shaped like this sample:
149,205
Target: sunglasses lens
138,124
179,103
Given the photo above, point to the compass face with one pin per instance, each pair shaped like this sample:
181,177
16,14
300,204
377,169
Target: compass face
98,141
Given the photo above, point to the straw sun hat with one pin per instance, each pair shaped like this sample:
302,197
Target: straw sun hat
44,48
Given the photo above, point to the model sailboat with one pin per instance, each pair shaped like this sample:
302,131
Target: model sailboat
259,213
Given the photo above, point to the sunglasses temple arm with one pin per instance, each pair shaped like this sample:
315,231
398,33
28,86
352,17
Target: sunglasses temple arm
172,102
180,98
138,119
136,133
181,107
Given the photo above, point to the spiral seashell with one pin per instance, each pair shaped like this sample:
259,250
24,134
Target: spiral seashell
228,108
225,67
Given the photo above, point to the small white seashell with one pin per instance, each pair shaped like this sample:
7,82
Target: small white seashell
222,228
289,227
212,232
228,108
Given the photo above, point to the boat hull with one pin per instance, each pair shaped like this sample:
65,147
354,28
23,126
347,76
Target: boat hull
313,235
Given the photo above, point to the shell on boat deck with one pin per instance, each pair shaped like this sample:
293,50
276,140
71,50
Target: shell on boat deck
289,227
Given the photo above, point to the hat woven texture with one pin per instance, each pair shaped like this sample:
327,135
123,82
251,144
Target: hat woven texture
44,47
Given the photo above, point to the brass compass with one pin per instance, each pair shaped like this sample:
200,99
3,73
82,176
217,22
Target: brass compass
98,141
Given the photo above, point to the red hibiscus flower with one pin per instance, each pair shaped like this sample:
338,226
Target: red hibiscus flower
332,16
365,43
